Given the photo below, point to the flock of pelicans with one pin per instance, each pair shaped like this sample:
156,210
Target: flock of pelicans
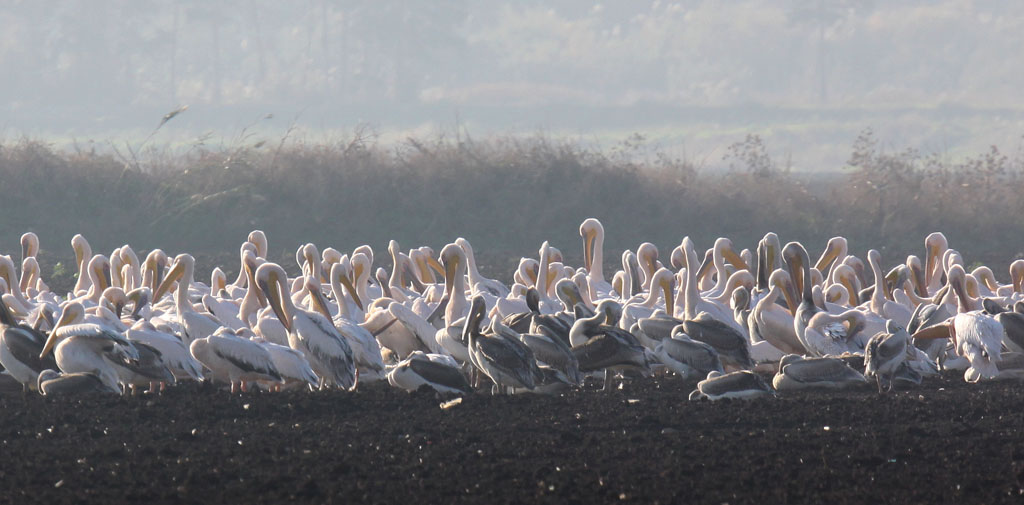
435,321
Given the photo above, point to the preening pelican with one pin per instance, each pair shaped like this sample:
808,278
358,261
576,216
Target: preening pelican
88,347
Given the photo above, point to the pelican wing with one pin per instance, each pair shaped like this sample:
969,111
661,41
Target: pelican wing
734,383
245,355
697,355
25,347
821,370
438,373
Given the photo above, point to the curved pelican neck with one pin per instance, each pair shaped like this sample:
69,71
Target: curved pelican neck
596,272
692,294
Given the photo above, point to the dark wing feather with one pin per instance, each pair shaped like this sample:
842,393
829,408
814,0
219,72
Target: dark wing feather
440,374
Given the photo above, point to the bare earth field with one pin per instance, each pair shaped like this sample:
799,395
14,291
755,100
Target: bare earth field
942,442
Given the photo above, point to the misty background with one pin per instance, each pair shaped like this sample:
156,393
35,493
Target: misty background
691,77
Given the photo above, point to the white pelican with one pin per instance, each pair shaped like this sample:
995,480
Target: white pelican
88,347
195,324
83,254
314,335
826,335
234,359
421,369
977,337
722,252
662,286
253,300
742,384
880,305
453,259
834,252
798,373
592,233
647,257
291,365
936,247
365,349
773,323
174,353
478,282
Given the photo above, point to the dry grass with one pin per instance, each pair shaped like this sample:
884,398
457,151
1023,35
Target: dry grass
506,195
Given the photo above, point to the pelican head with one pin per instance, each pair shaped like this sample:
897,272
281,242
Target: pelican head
271,278
590,229
182,271
935,245
29,245
72,313
835,246
259,239
453,258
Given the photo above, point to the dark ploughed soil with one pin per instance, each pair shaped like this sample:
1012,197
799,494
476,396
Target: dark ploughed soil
645,444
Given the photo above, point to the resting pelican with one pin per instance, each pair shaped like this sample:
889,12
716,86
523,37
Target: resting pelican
290,364
496,357
314,335
88,347
555,354
173,352
195,324
421,369
593,258
687,357
52,383
936,247
601,346
235,359
885,353
742,384
797,373
365,349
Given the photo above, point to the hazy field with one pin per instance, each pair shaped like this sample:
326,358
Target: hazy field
506,195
